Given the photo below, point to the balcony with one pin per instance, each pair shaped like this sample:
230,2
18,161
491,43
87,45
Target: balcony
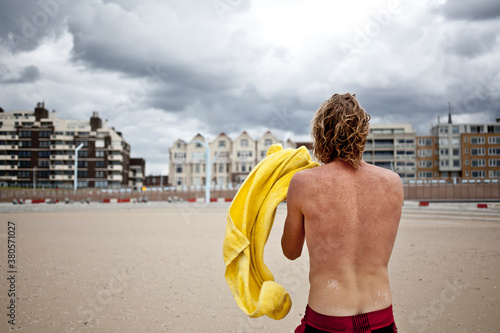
14,147
9,137
61,167
61,137
118,158
8,167
61,177
115,178
115,147
62,157
62,147
117,167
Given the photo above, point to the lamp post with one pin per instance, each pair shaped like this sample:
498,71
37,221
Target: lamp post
76,167
34,180
208,179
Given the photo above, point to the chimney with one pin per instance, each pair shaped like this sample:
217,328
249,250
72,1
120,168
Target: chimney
41,112
95,121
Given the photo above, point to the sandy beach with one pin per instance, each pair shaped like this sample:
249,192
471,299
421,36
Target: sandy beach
158,267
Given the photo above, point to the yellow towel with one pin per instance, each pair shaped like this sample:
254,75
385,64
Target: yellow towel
249,222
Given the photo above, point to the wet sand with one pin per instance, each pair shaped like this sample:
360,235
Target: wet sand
159,268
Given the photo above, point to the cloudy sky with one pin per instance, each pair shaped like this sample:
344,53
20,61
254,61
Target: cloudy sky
163,70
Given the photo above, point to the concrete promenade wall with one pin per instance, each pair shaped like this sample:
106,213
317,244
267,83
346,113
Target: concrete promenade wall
413,191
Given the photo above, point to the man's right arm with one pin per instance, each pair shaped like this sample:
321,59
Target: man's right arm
293,237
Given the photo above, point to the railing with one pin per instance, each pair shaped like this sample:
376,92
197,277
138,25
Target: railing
457,189
432,190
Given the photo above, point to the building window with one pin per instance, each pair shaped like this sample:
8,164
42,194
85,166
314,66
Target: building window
244,142
99,174
425,174
244,154
456,163
443,152
477,140
477,151
476,129
478,163
196,168
83,164
494,174
443,141
25,144
222,143
425,142
24,134
83,174
44,154
83,153
455,129
22,154
99,164
24,164
23,174
43,174
494,151
99,153
494,163
221,167
178,168
44,144
425,164
478,173
101,183
456,152
494,140
444,163
44,134
268,142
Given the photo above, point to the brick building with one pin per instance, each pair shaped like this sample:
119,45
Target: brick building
36,146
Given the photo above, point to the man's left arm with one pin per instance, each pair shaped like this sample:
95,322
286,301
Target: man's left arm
293,237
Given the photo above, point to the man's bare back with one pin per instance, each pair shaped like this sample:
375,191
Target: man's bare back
349,218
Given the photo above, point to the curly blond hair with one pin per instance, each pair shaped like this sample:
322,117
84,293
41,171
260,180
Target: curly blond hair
339,130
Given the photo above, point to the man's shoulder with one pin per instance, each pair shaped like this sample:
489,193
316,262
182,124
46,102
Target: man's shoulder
384,173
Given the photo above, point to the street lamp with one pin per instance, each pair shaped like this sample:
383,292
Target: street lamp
208,179
76,167
34,180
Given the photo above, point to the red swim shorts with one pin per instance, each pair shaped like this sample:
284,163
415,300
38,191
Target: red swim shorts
380,321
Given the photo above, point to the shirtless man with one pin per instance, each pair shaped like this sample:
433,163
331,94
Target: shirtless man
348,213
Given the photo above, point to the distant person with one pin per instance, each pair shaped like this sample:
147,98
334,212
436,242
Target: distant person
348,212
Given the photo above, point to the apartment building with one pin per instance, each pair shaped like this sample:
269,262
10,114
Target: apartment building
392,147
427,157
37,147
460,151
136,173
480,149
232,160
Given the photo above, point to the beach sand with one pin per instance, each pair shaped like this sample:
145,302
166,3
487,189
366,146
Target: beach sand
158,267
